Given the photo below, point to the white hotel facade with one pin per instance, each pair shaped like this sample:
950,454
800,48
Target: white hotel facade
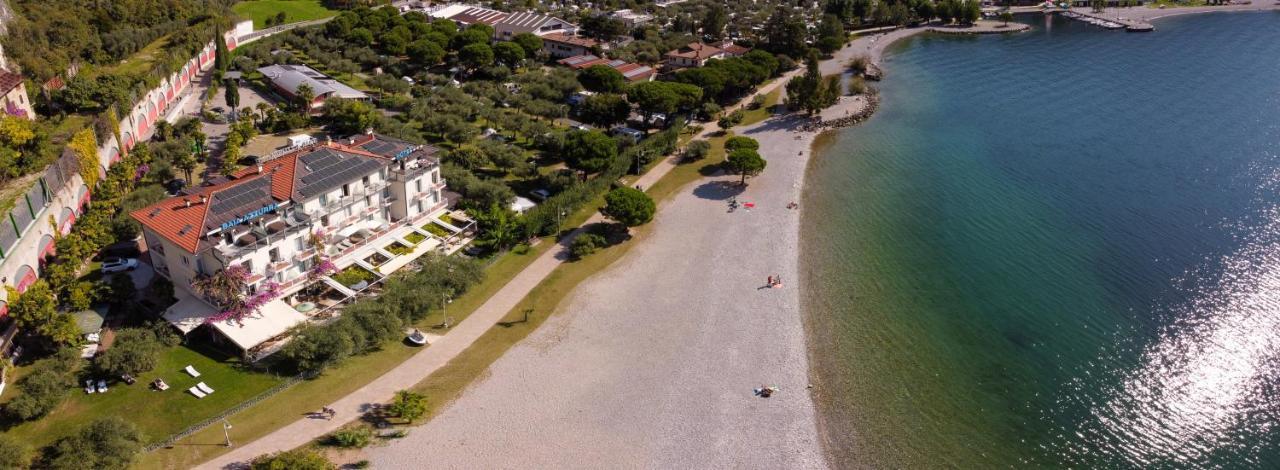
360,195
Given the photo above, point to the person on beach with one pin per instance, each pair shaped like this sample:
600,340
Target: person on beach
770,281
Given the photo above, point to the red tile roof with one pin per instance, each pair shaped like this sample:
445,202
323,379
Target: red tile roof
9,81
181,219
571,40
734,49
696,51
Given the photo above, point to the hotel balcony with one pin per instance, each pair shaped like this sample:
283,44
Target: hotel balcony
247,239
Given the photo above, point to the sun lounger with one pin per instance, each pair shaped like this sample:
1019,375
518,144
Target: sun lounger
196,392
204,388
192,371
88,386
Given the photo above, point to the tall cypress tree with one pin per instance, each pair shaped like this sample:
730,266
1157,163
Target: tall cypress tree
221,58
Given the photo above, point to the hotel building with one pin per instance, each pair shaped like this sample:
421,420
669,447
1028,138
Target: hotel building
358,195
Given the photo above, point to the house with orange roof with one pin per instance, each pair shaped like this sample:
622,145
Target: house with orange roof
696,54
560,45
356,196
632,72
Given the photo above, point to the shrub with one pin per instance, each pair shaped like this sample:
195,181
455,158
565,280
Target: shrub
108,443
301,459
13,454
399,249
136,350
45,387
697,150
162,288
353,275
857,86
408,405
356,437
586,244
858,65
415,238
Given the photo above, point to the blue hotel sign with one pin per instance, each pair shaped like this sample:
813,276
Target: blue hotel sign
403,153
250,216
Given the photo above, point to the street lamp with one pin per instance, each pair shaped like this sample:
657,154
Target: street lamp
226,431
444,308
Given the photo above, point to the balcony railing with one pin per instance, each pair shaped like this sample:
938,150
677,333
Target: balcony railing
236,250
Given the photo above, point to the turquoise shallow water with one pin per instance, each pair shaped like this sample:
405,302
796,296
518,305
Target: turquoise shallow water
1059,248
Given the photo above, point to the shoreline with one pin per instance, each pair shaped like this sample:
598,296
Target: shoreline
873,46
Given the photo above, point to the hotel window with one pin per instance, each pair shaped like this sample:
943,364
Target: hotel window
365,180
299,244
418,184
274,255
435,177
185,261
368,201
324,199
346,190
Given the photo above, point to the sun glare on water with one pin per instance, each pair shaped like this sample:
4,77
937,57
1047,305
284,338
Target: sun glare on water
1207,385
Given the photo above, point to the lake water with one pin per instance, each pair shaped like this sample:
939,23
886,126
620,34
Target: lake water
1055,248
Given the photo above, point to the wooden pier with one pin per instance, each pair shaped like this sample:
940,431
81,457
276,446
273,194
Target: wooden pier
1110,23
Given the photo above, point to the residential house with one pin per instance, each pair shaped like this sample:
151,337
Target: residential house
13,95
560,45
632,72
288,79
697,54
356,195
631,18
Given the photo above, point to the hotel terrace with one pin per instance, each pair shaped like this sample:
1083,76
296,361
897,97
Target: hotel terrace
367,204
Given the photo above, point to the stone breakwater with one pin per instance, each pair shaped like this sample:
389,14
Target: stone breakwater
870,102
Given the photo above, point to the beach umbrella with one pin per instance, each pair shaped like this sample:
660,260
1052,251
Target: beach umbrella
750,205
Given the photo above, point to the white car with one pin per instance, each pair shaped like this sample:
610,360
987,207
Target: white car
115,265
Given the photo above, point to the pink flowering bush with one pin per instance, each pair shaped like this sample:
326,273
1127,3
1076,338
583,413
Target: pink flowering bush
226,289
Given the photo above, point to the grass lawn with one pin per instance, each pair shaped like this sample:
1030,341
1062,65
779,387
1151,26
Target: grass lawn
139,63
157,414
294,10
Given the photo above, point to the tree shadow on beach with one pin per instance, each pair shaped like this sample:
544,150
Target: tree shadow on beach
788,123
718,190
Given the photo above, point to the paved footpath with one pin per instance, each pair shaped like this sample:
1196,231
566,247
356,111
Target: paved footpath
460,337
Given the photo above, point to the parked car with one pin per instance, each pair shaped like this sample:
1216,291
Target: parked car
116,265
540,194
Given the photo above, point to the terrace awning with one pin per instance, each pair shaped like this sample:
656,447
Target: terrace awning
189,312
273,319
